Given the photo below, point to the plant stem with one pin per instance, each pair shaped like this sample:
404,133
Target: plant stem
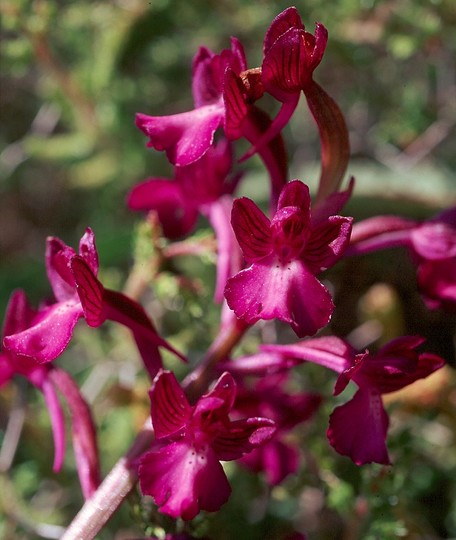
112,491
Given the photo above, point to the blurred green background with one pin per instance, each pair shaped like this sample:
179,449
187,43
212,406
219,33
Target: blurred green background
73,74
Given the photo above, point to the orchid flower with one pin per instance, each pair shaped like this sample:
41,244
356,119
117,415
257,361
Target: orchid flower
279,457
78,294
284,255
358,428
186,137
431,243
224,92
291,55
182,471
200,187
49,379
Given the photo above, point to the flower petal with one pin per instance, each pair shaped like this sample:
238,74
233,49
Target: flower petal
88,250
90,292
437,284
289,18
177,215
58,256
358,429
170,409
334,140
277,459
327,243
228,253
252,229
83,431
329,351
434,240
260,364
182,481
224,390
18,315
57,422
242,436
289,293
295,193
186,136
50,333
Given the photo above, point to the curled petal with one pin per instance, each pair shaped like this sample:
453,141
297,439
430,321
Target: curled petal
358,429
170,409
186,136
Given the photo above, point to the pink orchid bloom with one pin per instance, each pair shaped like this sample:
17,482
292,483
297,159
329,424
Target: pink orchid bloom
78,294
284,255
279,457
224,92
49,379
291,55
186,137
358,428
201,187
182,472
431,243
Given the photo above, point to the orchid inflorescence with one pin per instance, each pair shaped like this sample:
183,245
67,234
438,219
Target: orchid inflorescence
268,268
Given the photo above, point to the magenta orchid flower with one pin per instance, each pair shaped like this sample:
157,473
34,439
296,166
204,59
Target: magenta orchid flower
291,55
431,243
224,92
49,379
284,255
201,187
182,472
358,428
279,457
186,137
78,294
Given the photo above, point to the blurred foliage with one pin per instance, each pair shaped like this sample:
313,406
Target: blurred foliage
73,75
